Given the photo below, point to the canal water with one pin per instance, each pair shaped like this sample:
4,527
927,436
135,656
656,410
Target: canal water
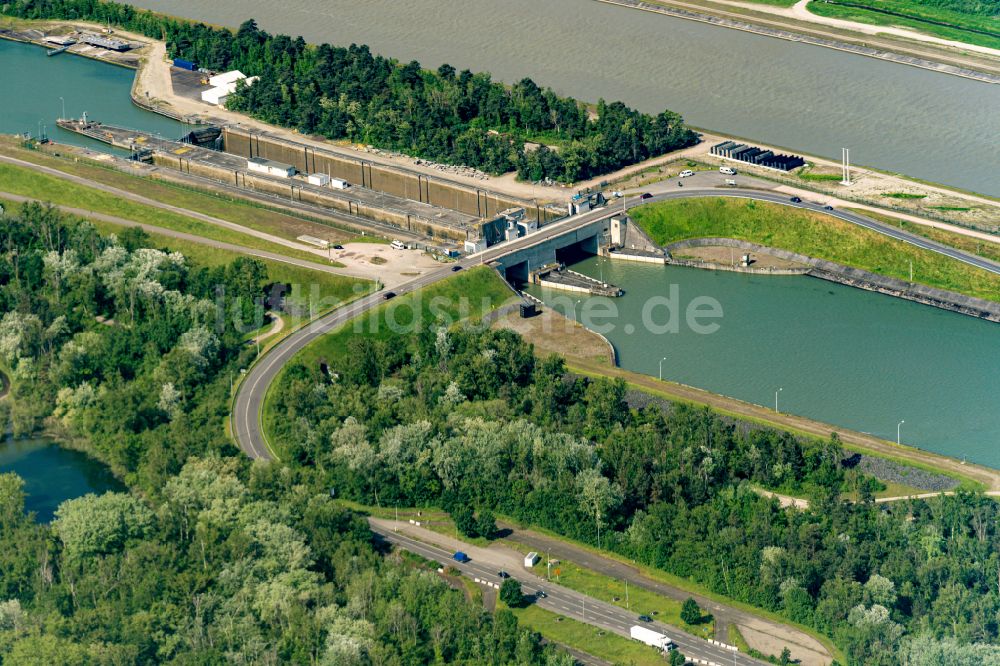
844,356
33,84
933,126
53,474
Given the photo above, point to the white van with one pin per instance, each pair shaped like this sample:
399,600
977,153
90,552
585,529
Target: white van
397,245
686,173
729,171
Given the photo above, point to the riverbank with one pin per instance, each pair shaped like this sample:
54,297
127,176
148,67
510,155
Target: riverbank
153,90
832,272
826,42
975,476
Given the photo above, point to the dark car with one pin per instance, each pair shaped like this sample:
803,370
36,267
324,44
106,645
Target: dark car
338,247
455,269
796,200
645,618
503,574
460,557
827,207
389,294
645,195
541,594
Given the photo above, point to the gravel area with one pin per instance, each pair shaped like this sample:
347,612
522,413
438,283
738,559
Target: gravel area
894,472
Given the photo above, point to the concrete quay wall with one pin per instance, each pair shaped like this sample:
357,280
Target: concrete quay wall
856,277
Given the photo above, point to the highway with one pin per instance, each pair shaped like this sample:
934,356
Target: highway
570,603
253,388
247,408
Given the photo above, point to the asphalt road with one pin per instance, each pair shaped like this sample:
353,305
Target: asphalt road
572,604
250,397
171,233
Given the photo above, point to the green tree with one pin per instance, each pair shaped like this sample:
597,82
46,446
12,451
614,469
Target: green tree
677,658
100,524
486,524
691,611
465,522
511,594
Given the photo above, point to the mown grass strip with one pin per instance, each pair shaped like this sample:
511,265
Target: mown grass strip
813,234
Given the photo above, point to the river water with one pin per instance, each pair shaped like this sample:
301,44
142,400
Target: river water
85,85
53,474
844,356
933,126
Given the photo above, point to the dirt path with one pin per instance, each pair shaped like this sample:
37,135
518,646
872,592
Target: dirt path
276,327
989,478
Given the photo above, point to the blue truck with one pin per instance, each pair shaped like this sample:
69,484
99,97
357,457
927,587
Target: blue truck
185,64
459,556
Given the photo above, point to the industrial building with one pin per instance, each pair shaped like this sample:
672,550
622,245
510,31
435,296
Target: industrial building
60,40
270,167
109,43
224,85
758,156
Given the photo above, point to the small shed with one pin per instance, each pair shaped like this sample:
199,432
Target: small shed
270,167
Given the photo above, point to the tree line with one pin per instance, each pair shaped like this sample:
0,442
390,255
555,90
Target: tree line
127,349
468,420
446,115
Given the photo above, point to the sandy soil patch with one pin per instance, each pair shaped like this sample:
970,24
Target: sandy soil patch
731,257
553,333
376,261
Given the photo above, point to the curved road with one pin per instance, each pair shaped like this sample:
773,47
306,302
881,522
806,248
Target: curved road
250,397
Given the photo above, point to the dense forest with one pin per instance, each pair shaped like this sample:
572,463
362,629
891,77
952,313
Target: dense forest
470,421
443,115
126,350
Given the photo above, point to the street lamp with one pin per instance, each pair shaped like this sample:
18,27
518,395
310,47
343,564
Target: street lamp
661,367
776,400
898,426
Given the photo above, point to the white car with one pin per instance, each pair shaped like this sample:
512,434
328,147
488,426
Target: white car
686,173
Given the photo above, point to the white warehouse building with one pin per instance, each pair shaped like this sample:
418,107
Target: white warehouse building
224,85
270,167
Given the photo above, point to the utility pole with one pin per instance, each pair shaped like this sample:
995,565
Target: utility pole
63,108
626,595
898,426
776,400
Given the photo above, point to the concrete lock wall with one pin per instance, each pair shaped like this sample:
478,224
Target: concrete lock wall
293,189
381,178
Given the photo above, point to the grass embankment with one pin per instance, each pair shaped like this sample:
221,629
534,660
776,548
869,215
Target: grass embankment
969,244
940,22
597,642
250,214
639,600
813,234
27,182
467,295
696,588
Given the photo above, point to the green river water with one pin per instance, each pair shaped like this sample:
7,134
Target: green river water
844,356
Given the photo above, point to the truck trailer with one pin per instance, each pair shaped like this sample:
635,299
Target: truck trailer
651,638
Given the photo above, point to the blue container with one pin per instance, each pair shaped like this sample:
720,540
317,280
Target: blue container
185,64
